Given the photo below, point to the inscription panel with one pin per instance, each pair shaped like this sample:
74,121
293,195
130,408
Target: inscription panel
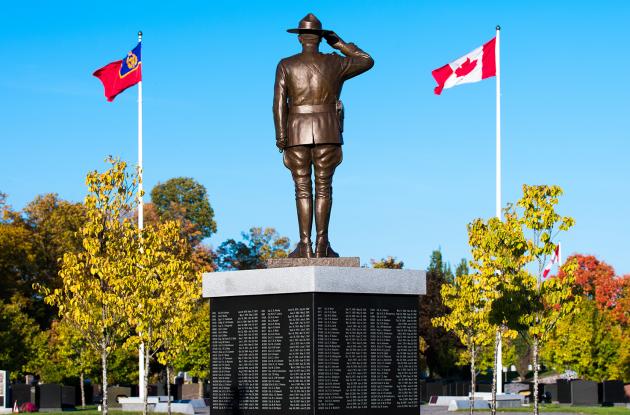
314,352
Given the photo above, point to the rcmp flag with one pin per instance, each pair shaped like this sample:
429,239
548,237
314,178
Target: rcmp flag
120,75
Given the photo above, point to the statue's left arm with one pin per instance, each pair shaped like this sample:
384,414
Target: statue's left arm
280,107
356,61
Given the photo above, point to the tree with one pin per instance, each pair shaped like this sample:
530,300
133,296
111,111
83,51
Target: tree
259,245
600,284
597,333
387,263
21,340
195,359
552,299
498,249
468,318
590,343
186,200
162,295
31,243
94,280
440,347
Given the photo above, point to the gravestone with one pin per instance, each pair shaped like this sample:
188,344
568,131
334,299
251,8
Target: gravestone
21,393
436,389
68,397
5,399
613,392
190,391
584,392
564,390
50,398
422,384
115,392
314,340
552,390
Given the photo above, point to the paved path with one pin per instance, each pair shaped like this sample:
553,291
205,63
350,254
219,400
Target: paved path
442,410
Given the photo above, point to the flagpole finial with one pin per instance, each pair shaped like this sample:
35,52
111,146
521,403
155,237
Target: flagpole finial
139,35
498,27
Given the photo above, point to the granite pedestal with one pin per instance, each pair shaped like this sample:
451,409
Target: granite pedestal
314,340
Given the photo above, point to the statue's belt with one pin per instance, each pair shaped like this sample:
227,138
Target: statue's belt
313,109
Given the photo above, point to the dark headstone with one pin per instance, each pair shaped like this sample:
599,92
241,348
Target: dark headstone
564,390
584,392
353,262
49,397
115,392
461,389
436,389
451,389
422,384
68,395
21,393
484,387
613,392
314,353
89,394
552,390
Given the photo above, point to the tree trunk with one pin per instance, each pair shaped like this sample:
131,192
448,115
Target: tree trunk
168,388
146,378
493,402
104,363
472,379
535,359
200,389
82,390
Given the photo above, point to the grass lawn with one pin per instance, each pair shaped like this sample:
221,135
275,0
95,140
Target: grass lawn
567,409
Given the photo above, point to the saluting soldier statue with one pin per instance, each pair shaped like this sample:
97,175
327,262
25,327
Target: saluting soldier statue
308,117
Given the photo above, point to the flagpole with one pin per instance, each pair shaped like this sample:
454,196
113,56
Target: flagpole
499,363
141,386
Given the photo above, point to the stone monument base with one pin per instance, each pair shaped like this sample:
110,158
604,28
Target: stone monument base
314,339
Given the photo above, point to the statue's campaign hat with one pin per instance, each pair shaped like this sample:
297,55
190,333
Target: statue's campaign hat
309,24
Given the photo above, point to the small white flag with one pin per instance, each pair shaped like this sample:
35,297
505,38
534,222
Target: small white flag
555,258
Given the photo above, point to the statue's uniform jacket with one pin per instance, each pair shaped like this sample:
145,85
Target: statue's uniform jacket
306,91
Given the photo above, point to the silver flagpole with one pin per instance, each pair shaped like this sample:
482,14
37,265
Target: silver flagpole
141,386
498,372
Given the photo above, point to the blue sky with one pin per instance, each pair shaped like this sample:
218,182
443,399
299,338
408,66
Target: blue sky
417,167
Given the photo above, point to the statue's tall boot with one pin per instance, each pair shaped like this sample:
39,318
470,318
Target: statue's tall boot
322,218
304,248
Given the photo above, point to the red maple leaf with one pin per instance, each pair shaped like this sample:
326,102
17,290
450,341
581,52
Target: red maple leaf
465,68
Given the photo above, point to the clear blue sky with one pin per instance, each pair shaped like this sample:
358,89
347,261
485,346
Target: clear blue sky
417,167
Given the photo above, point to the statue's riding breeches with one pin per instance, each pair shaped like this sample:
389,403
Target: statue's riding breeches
324,157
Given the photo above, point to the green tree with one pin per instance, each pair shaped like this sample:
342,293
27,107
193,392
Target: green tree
94,280
440,348
259,245
21,340
468,317
186,200
195,359
387,263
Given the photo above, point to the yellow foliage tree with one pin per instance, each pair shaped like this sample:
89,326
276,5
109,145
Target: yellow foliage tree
162,296
94,280
468,317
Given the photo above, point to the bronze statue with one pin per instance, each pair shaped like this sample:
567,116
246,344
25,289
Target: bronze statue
308,116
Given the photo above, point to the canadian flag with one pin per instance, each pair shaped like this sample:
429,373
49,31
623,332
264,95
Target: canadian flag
555,258
479,64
